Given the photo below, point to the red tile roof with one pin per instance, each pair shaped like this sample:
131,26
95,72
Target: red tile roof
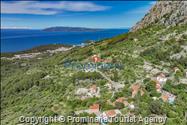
121,99
111,113
94,107
95,58
135,88
164,98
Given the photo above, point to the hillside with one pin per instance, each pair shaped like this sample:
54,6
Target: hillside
64,84
168,13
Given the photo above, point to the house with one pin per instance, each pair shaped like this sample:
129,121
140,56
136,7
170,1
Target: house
158,86
117,86
131,106
135,89
95,58
94,91
168,97
81,91
95,108
111,113
107,116
121,100
161,78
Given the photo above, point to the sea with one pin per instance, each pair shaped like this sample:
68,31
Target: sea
14,40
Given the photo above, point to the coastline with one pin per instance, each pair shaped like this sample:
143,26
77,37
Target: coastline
15,41
51,48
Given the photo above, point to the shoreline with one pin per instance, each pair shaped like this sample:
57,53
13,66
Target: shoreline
51,48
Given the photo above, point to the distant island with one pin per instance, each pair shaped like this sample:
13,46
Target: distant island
70,29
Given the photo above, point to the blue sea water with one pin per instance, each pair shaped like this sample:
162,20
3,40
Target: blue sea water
19,40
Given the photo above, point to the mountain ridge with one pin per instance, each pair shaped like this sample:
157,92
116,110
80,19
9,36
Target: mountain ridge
168,13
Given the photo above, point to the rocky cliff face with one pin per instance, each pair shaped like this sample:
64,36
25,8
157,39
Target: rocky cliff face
169,13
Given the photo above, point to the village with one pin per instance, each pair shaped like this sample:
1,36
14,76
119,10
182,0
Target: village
159,80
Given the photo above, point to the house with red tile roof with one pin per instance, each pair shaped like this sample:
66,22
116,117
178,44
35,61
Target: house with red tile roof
135,88
94,108
96,58
111,113
121,100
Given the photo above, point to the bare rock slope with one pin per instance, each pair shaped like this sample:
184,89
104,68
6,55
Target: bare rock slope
169,13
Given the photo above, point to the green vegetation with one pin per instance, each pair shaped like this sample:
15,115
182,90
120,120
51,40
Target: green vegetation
45,87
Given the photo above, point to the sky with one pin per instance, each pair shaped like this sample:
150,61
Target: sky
92,14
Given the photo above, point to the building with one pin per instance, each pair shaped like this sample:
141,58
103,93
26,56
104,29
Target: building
92,91
111,113
117,86
168,97
95,58
135,88
81,91
131,106
95,108
121,100
158,86
161,78
114,86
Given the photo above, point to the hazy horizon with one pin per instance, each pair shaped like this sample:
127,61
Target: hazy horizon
89,14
